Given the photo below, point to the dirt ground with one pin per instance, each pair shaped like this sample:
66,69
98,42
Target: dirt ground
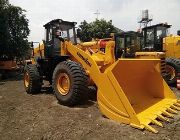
26,117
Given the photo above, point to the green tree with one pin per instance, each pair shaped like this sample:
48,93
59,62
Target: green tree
13,31
3,26
97,29
3,3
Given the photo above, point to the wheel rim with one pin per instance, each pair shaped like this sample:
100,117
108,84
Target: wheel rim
26,80
170,70
63,84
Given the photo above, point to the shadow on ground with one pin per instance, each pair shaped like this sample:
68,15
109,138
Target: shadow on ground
88,100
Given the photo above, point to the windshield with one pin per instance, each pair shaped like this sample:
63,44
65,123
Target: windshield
127,44
62,31
153,38
149,40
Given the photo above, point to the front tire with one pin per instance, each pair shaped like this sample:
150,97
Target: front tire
172,68
70,83
32,79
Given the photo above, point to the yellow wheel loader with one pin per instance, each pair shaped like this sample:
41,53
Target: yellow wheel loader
171,46
153,42
156,39
129,91
130,45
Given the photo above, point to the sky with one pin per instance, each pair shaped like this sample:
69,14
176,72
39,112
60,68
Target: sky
123,13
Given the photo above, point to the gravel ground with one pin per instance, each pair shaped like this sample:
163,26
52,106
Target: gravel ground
26,117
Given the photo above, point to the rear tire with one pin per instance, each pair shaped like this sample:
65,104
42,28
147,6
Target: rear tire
172,67
32,79
70,83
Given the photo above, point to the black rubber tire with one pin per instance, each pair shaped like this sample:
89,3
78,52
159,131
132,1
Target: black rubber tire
175,63
92,93
78,83
35,80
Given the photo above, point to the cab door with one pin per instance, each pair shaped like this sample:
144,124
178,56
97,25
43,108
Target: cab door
48,43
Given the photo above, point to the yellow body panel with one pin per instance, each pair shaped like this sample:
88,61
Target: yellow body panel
171,46
154,55
39,50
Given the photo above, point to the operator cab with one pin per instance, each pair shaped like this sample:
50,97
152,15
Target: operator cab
56,32
153,37
127,44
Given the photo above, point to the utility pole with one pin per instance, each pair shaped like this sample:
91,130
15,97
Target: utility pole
97,13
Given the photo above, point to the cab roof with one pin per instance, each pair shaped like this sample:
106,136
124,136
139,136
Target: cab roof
158,25
60,22
129,33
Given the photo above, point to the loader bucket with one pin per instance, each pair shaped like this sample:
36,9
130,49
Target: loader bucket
132,91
